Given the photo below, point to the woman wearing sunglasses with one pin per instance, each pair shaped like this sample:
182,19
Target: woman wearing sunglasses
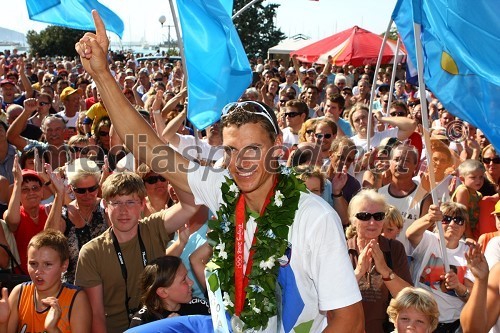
380,264
450,289
44,109
83,218
491,161
158,197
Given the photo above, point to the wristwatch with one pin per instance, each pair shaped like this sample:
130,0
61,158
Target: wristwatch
391,277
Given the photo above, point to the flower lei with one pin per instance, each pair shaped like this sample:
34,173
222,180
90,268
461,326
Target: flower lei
271,243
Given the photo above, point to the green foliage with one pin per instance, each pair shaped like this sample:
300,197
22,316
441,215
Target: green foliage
54,40
256,27
393,33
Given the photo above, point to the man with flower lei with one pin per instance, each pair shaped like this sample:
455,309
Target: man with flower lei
265,218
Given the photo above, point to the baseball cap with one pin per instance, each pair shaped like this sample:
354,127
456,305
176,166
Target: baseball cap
31,174
497,208
6,81
69,91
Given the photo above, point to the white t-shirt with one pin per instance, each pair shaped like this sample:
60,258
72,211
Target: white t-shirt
409,208
376,138
492,252
70,122
289,139
188,148
320,275
428,267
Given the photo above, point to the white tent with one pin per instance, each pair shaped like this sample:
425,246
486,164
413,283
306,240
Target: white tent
286,46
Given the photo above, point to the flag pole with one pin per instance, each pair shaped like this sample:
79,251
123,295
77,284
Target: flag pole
374,86
245,7
427,139
180,43
393,75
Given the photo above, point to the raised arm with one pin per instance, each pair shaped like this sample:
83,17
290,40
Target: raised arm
24,79
11,215
54,220
170,134
14,131
415,231
405,125
129,124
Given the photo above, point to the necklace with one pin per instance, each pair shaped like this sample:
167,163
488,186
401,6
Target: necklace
86,220
258,301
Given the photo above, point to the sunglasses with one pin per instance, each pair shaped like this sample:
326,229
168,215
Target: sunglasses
103,133
457,219
159,79
310,132
83,190
83,150
321,136
252,107
488,160
34,188
364,216
398,114
43,103
291,114
154,179
283,101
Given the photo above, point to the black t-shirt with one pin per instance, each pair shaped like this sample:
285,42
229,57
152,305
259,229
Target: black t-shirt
197,306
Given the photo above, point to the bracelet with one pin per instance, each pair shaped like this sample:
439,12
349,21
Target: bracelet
338,195
466,293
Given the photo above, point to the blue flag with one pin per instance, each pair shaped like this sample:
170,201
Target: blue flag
74,14
216,63
460,41
181,324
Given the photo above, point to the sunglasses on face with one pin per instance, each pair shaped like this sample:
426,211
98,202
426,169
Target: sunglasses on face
158,79
34,189
83,190
488,160
321,136
397,114
43,103
283,101
457,219
249,106
310,132
291,114
154,179
364,216
103,133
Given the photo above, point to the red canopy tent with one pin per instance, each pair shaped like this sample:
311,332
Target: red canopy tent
355,46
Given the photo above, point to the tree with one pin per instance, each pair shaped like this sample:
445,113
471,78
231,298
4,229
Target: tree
54,40
256,27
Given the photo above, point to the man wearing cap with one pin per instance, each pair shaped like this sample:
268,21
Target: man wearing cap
289,83
9,94
70,97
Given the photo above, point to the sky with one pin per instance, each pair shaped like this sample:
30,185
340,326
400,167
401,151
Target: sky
315,19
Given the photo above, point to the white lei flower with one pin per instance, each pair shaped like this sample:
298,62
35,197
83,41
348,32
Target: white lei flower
268,264
221,247
227,300
234,188
278,198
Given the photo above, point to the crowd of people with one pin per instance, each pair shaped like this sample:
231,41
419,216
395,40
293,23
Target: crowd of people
113,203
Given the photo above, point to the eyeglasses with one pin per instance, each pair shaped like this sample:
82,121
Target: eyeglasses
154,179
43,103
252,107
291,114
398,114
83,190
457,219
364,216
103,133
128,203
310,132
321,136
34,189
488,160
83,150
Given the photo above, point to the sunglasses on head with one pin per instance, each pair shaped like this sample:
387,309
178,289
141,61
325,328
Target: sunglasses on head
398,114
488,160
249,106
457,219
154,179
83,150
364,216
83,190
321,136
291,114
